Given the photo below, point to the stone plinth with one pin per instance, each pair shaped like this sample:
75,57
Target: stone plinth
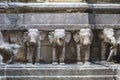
57,72
118,72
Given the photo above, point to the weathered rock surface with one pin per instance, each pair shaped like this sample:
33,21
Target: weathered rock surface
59,72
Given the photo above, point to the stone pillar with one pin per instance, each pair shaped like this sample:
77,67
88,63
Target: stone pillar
103,51
78,54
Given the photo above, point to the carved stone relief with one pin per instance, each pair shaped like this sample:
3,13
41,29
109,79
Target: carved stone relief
16,47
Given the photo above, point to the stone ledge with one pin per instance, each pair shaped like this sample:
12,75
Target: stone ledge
104,6
50,27
54,7
60,78
46,27
42,7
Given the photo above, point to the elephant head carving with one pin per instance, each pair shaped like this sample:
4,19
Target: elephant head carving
84,37
108,36
59,37
31,39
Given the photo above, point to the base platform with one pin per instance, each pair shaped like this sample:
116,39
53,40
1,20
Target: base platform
60,72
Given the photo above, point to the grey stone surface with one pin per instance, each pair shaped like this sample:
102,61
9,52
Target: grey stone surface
60,72
42,6
104,1
9,7
56,18
2,19
104,6
118,78
44,21
57,72
107,18
2,71
51,21
118,74
46,51
62,78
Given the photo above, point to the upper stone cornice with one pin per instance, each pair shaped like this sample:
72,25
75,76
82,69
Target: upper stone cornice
55,7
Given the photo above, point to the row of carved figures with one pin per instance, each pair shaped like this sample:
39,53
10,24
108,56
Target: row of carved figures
58,38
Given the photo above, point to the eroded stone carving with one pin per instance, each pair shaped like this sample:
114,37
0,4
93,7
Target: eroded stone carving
6,51
19,53
84,36
51,47
59,39
59,46
108,36
32,42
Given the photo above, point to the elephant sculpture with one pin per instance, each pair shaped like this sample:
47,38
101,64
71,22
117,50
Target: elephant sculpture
83,38
60,37
108,36
19,53
6,51
31,40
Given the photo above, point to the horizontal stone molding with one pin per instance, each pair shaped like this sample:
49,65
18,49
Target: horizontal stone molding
38,7
49,27
46,27
13,7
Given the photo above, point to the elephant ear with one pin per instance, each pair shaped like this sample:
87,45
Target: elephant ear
25,37
51,37
68,37
76,37
42,35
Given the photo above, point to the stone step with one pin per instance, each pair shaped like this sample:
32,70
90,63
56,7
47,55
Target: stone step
54,71
90,77
118,74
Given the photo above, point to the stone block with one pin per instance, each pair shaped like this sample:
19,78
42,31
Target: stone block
2,18
2,72
104,20
118,72
107,18
56,18
57,71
